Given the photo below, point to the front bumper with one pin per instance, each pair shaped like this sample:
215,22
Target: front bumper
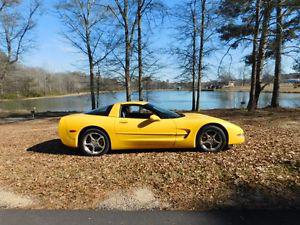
238,138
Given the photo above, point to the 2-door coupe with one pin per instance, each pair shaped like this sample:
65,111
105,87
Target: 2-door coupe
141,125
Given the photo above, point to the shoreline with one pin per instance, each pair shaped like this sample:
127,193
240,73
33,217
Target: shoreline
75,94
101,92
284,88
16,116
265,91
46,96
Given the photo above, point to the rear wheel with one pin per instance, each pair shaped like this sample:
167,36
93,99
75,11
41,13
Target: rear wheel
211,139
94,142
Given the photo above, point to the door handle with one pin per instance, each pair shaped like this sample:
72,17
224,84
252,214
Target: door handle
123,121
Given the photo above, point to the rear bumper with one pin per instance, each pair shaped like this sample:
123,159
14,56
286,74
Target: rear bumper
65,138
68,142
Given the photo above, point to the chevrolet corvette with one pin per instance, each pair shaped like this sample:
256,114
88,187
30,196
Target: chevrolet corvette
141,125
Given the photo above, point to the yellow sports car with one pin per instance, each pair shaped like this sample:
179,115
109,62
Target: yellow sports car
141,125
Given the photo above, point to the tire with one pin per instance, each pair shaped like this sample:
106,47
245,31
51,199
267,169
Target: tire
211,139
94,142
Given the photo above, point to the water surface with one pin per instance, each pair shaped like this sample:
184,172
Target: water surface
179,100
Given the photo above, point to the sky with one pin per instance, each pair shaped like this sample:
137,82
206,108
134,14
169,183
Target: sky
55,54
52,52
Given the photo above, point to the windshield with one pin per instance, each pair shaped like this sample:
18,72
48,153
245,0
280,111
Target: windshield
103,111
163,113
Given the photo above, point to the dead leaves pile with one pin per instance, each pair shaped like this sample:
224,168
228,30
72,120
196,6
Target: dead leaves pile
262,173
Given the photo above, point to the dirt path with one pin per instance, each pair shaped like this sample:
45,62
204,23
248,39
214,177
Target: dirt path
262,173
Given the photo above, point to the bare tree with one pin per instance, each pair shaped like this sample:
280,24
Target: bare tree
7,3
2,4
125,12
85,22
150,11
201,51
16,26
187,36
194,49
140,53
195,23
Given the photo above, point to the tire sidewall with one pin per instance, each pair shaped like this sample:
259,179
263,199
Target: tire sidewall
216,128
94,130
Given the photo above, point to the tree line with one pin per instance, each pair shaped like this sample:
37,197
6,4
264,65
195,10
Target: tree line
36,82
114,36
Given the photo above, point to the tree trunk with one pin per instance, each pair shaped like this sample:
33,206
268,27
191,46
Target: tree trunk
1,87
251,104
91,66
92,86
98,88
194,56
127,70
127,53
201,53
3,74
140,59
262,51
277,75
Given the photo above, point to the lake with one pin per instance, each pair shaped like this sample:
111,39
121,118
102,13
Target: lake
180,100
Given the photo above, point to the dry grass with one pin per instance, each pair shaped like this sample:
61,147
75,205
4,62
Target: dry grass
262,173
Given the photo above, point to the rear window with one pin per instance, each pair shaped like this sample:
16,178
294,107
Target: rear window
103,111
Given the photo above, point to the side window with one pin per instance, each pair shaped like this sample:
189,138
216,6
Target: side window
104,111
135,112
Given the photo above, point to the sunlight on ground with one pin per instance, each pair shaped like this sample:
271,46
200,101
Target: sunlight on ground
133,199
12,200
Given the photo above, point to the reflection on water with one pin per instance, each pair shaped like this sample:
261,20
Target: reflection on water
180,100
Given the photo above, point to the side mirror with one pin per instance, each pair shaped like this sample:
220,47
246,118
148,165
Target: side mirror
154,118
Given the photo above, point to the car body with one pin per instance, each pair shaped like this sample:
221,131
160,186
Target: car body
141,125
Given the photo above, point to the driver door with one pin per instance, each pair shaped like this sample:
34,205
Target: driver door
134,129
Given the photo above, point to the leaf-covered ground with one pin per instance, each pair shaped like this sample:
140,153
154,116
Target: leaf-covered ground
262,173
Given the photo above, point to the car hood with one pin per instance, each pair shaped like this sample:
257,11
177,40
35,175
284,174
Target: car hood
198,116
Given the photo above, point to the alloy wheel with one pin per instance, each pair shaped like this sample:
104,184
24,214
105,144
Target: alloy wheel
211,140
94,143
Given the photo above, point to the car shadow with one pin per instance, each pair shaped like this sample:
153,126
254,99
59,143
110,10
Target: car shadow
56,147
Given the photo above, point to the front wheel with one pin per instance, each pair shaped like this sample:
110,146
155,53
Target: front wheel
211,139
94,142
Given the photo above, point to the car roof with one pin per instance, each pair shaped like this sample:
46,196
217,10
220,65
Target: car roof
134,103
